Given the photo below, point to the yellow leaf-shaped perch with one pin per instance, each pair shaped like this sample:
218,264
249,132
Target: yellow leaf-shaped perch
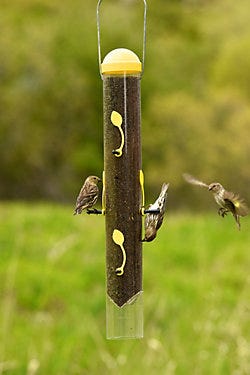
118,239
116,118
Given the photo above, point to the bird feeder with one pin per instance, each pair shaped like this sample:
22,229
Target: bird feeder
123,193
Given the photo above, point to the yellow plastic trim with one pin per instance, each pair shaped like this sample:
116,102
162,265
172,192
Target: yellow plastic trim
103,193
141,179
121,60
116,120
118,239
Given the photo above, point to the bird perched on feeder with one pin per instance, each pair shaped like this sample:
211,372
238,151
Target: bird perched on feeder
88,194
155,215
227,200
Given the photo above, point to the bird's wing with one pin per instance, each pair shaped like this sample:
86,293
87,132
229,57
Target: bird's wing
161,205
159,222
87,197
153,221
239,205
163,198
192,180
161,201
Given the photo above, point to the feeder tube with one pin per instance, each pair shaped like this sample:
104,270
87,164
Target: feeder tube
121,74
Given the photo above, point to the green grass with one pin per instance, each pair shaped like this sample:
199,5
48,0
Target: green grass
52,293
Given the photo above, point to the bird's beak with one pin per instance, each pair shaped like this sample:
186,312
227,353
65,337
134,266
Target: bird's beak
209,188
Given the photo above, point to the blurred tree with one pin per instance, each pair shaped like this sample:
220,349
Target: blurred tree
195,93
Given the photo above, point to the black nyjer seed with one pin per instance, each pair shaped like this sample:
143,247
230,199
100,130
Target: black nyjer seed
122,165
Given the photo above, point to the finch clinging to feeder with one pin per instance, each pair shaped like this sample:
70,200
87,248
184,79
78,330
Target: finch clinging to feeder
153,221
228,201
88,194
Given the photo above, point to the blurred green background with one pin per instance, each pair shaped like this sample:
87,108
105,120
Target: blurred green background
195,94
195,118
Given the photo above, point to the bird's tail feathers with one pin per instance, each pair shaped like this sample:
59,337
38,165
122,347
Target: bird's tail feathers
240,205
78,210
164,188
237,219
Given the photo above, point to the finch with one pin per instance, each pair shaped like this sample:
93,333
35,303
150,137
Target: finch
88,194
227,200
153,221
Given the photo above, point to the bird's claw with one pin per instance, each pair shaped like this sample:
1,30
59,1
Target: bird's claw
222,212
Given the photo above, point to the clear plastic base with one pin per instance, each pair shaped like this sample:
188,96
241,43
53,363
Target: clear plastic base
125,322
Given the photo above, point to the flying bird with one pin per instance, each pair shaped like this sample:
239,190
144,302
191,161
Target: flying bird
88,194
227,200
153,221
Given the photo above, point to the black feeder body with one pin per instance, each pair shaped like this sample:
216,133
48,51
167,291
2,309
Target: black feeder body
121,73
123,189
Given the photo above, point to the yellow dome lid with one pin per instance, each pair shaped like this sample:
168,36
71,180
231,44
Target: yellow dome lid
121,60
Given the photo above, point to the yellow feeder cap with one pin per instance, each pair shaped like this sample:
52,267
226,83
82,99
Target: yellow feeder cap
121,60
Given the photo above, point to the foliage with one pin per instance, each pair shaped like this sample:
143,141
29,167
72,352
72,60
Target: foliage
195,93
52,290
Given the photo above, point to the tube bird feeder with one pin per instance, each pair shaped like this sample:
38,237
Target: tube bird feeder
123,194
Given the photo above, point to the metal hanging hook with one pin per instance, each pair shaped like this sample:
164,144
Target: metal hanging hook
99,34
